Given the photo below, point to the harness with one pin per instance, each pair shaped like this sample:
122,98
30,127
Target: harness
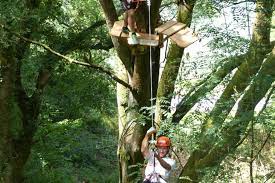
154,177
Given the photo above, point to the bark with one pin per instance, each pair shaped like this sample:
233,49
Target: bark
19,115
122,103
6,98
15,114
111,16
17,111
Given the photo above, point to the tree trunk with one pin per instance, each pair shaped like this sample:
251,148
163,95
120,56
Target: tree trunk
7,86
198,92
174,61
18,115
137,66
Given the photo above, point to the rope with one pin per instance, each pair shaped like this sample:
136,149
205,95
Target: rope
151,75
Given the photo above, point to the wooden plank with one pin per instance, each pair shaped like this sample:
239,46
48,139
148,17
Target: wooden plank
173,29
186,30
165,26
144,38
184,40
147,36
117,28
146,42
182,32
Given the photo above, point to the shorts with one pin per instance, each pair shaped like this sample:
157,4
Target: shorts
127,6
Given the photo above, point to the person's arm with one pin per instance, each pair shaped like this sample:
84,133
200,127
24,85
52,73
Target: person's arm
163,163
145,142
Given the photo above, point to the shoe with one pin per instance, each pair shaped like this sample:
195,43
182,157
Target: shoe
125,30
133,40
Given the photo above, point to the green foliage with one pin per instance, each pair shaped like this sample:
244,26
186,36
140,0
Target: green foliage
76,138
80,89
73,151
187,133
135,171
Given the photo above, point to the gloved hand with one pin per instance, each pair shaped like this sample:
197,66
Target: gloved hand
151,131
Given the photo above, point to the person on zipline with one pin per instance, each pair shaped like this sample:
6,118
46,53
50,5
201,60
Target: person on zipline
159,165
130,7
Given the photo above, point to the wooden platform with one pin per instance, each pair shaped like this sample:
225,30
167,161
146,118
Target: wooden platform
178,32
144,39
184,37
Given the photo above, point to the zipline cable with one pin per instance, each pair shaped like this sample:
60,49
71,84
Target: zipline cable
151,65
151,78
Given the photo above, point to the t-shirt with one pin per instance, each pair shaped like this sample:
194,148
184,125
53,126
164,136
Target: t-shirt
164,173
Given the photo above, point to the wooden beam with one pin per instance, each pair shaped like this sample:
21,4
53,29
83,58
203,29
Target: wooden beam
147,40
144,38
178,32
173,29
184,40
165,26
117,29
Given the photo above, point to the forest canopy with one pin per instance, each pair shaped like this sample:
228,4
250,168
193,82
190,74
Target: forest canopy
76,102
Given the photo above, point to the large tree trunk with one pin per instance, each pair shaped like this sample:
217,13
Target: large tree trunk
17,110
259,47
18,115
137,66
8,65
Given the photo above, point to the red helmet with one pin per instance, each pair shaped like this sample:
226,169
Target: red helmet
163,141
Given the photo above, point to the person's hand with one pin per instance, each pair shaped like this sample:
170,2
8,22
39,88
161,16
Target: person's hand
151,131
157,155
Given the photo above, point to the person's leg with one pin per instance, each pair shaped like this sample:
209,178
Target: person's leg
131,19
132,24
125,16
125,23
125,19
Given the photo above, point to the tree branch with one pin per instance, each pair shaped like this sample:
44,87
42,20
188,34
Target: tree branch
205,86
85,36
70,60
262,146
260,112
258,49
259,87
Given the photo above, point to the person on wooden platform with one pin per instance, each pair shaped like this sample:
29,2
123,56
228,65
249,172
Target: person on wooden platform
159,165
130,7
